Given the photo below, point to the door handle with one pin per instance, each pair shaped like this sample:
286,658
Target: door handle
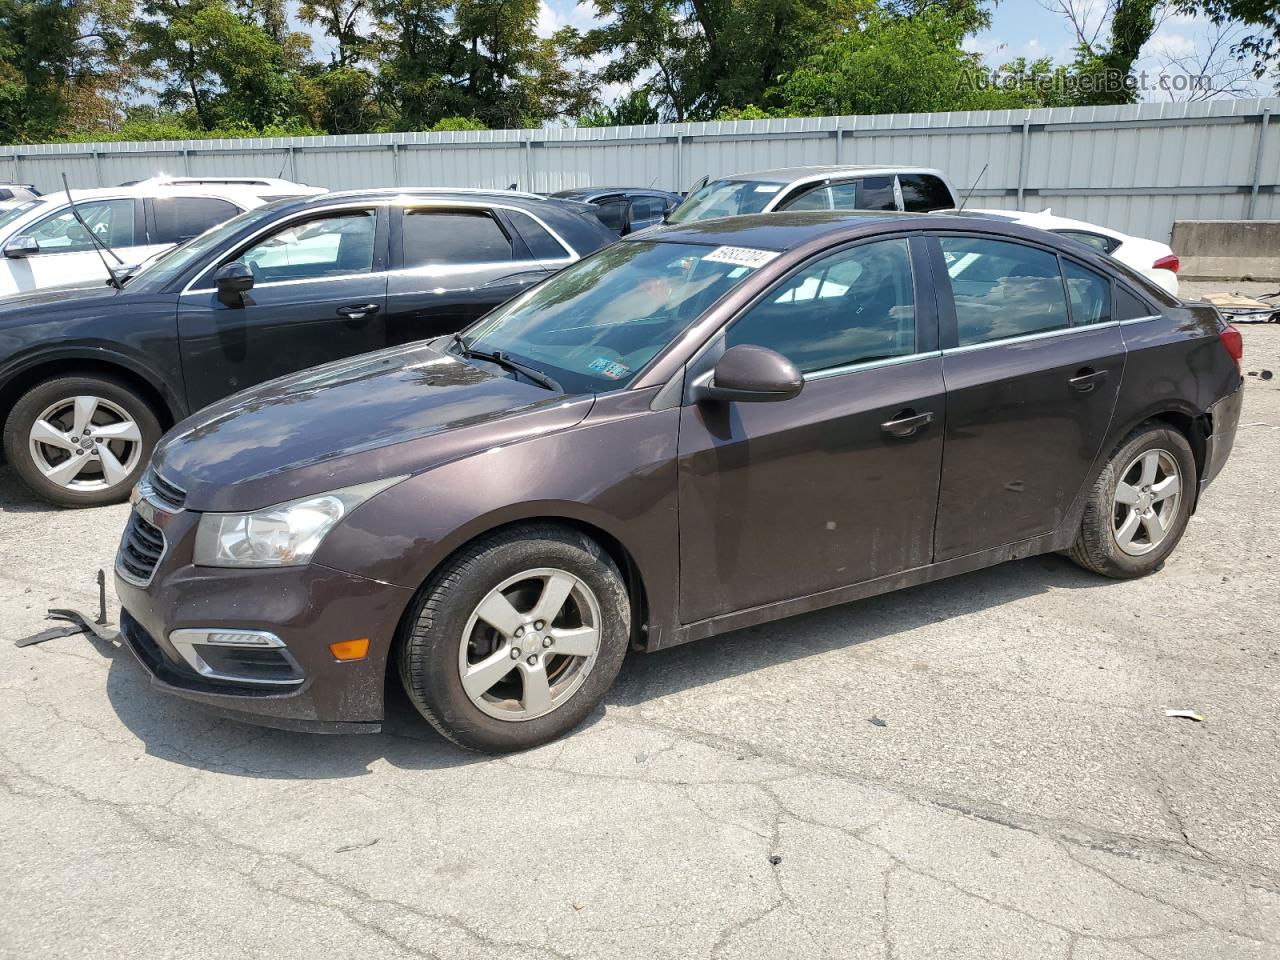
356,311
1086,379
906,423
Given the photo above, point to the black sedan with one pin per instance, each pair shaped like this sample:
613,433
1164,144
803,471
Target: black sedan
90,376
625,210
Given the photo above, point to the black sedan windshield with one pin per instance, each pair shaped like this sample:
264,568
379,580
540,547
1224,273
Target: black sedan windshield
595,325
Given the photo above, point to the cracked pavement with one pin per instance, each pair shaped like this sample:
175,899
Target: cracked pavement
1026,796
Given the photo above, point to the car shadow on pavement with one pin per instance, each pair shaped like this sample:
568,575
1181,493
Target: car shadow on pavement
187,734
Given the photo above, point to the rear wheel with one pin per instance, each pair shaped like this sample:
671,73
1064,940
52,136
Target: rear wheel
517,639
1139,506
80,441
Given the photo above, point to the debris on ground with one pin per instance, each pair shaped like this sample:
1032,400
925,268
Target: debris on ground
1238,308
1185,715
877,722
775,859
77,622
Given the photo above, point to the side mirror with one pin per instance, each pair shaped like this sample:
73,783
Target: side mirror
751,374
20,247
233,280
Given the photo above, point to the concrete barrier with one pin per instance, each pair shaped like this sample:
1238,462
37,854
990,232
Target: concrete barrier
1227,249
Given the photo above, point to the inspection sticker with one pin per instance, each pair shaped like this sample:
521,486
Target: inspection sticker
740,256
609,368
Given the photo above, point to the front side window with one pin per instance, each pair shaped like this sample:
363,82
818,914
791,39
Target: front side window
329,246
1090,295
453,238
830,196
612,213
647,208
111,222
181,218
725,198
1003,289
596,324
854,306
922,192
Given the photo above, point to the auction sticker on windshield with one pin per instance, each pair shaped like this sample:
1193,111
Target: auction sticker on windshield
740,256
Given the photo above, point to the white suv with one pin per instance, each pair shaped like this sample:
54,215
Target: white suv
43,245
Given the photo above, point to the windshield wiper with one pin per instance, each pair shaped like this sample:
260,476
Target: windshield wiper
515,366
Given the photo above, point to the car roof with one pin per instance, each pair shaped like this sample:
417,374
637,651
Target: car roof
792,174
575,192
770,231
1048,220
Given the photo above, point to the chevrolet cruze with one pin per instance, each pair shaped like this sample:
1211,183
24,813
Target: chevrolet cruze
707,427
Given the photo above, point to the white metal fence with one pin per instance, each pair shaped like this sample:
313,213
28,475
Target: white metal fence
1134,168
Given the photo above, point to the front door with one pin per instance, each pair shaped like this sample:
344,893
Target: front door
319,294
1033,361
840,484
69,255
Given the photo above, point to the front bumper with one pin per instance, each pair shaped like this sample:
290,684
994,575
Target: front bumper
307,608
1224,417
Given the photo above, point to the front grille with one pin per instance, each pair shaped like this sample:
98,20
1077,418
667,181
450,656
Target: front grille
140,551
164,494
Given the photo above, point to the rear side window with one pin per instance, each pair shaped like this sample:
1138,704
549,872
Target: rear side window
5,194
1129,307
1090,295
1003,289
433,237
854,306
541,244
922,192
181,218
613,214
1096,240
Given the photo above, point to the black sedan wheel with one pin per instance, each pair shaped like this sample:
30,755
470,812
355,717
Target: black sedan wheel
517,639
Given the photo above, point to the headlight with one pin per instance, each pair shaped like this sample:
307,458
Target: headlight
286,535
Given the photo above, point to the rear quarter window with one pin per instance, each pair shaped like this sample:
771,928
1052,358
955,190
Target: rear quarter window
922,192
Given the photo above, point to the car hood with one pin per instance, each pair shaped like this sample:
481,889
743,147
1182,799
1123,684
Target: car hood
82,291
396,411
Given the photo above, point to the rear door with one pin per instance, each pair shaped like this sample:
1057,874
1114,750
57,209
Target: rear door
1032,358
455,262
839,484
319,294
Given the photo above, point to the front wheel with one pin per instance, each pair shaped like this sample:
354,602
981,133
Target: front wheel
1139,506
517,639
80,441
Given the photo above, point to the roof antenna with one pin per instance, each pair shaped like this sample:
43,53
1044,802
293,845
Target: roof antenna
974,187
97,244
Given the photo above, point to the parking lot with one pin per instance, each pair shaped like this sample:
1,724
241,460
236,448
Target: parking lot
980,767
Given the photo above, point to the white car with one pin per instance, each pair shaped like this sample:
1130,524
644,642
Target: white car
44,245
13,194
1152,259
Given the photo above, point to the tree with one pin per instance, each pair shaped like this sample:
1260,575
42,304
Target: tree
1261,20
219,64
62,65
884,63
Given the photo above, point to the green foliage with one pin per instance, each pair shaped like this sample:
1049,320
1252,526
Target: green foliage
219,68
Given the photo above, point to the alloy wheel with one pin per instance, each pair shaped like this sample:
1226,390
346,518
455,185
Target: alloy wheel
85,443
1146,502
530,644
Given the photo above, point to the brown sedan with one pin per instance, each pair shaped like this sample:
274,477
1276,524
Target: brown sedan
699,429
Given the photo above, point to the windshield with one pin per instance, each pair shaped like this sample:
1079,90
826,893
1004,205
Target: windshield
13,213
158,271
725,198
595,325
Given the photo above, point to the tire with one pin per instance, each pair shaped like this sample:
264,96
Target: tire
124,427
446,635
1112,541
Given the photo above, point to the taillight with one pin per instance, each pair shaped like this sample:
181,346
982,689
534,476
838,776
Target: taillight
1167,263
1233,342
